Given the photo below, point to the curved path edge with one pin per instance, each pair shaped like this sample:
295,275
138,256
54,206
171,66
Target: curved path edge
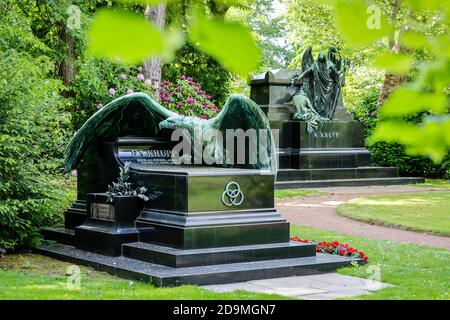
320,212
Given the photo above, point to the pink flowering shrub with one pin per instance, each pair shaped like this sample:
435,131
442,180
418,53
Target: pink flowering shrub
98,82
186,97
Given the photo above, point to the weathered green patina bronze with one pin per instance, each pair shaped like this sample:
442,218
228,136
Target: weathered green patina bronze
238,113
321,83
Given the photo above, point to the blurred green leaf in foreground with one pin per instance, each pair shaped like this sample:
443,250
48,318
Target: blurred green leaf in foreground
120,34
406,27
127,36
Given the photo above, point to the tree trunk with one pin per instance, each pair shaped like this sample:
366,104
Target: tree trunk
152,68
392,81
66,69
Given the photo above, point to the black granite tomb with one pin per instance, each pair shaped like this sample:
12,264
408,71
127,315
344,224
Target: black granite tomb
334,155
209,225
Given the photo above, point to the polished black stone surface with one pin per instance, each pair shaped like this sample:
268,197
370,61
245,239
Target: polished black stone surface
334,155
336,173
105,242
334,134
75,215
106,236
187,189
60,235
191,214
357,182
178,258
161,275
213,235
313,158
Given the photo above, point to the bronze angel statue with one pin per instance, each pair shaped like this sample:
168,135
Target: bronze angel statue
321,83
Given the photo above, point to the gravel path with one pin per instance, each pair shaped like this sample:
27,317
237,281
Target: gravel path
320,212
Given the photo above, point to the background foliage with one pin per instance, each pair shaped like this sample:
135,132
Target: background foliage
33,131
98,82
213,77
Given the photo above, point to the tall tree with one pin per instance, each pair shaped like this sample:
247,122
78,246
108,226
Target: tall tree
270,25
391,80
66,68
152,68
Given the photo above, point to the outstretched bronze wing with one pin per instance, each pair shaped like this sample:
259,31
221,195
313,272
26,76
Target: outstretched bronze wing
308,82
239,112
335,57
132,114
307,59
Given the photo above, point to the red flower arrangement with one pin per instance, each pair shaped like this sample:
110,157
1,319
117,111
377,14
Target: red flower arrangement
334,247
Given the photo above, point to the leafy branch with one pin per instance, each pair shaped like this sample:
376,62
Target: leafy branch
405,25
119,33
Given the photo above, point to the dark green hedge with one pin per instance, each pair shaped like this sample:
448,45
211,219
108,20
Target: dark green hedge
393,154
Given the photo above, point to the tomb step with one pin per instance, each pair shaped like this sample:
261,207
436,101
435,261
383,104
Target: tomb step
177,258
336,173
333,158
202,275
75,215
347,182
61,235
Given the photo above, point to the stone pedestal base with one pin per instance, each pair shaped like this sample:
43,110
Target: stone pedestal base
193,234
332,156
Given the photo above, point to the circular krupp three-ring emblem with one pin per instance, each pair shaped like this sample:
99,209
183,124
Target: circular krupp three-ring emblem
232,195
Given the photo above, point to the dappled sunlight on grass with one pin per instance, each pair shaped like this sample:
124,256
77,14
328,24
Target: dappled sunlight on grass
44,286
423,211
404,202
433,183
293,193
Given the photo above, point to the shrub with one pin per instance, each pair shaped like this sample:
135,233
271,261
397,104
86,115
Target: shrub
187,97
32,130
97,82
393,154
215,79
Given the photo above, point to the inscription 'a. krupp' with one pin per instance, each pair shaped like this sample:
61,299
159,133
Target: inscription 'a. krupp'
326,135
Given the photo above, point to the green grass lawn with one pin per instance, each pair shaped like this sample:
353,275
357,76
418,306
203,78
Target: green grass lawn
433,183
293,193
421,211
32,276
418,272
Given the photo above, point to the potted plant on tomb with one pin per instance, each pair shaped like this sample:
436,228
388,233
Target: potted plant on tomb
112,214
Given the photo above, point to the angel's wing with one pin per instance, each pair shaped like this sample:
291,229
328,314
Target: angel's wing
307,59
335,57
143,115
239,112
